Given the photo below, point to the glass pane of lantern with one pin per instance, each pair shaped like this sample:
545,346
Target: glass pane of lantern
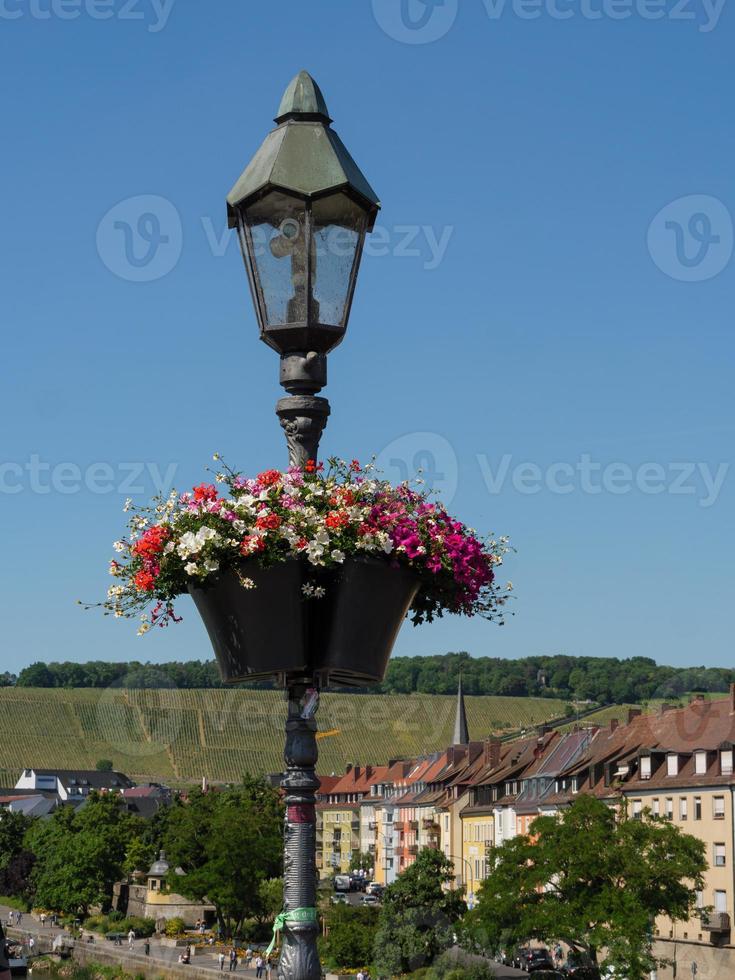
276,225
338,232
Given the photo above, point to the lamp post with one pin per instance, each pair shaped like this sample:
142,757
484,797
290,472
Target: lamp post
302,209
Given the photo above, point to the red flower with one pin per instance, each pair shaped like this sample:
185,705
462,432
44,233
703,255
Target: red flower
145,582
355,465
302,543
251,544
269,522
311,466
269,478
336,519
151,542
206,491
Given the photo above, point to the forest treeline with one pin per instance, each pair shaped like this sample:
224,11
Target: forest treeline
602,679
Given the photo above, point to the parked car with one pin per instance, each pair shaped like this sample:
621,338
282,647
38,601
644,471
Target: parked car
580,966
518,957
342,883
340,899
538,959
375,888
369,900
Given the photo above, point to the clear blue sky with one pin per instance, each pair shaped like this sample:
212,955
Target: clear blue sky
565,322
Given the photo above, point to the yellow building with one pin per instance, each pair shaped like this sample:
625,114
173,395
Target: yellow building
477,836
338,835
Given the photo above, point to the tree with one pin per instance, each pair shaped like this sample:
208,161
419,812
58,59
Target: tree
104,765
80,853
361,861
592,878
228,843
270,894
351,932
418,916
13,828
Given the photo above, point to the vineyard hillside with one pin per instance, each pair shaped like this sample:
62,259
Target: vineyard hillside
182,735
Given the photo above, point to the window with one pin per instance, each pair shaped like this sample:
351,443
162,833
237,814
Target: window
683,807
637,805
699,899
720,900
718,807
669,808
655,808
672,765
697,807
718,855
700,763
645,767
575,784
726,762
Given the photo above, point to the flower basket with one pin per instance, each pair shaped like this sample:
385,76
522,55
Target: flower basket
345,637
305,572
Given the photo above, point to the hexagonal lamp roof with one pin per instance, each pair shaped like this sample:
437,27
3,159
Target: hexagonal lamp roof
302,156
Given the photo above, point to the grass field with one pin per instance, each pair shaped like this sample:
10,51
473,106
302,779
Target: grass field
182,735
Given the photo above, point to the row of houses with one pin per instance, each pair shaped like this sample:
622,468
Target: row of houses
677,762
38,792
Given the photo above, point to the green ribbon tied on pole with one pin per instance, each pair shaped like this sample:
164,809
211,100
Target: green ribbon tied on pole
295,915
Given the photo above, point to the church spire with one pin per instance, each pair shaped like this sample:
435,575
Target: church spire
461,732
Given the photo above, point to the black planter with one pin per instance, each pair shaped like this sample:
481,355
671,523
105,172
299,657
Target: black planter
345,637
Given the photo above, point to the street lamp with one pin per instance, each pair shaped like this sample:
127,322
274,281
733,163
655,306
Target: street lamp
302,208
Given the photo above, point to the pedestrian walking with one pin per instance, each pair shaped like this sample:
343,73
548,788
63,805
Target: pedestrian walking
131,938
268,968
31,944
18,917
248,958
259,964
360,975
147,948
233,960
221,960
43,919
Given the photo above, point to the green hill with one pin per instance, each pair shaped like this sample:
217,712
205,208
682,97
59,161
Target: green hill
181,735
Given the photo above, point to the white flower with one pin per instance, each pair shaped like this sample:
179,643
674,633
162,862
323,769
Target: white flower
191,568
115,569
187,544
127,505
169,547
338,556
314,552
211,566
118,614
387,545
247,583
144,627
216,457
220,478
119,546
322,536
240,526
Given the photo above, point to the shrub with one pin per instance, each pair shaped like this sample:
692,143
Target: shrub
451,966
175,926
143,928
